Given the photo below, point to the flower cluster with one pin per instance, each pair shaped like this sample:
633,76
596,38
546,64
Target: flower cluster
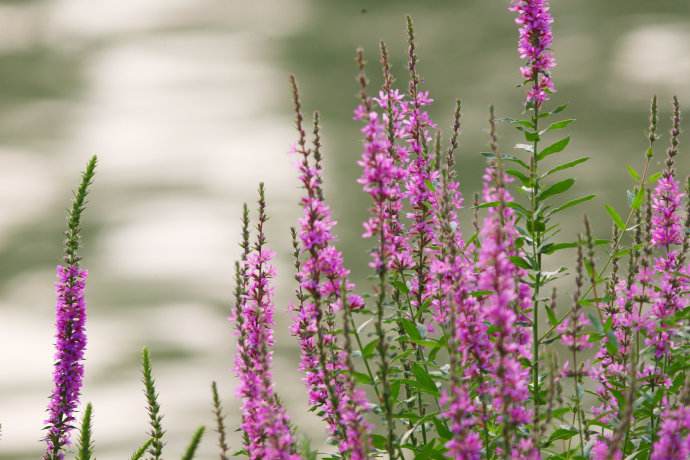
534,19
70,345
323,282
264,421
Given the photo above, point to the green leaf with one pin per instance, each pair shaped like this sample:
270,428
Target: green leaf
559,109
553,247
633,173
139,453
362,378
370,348
531,137
615,217
555,189
85,443
553,321
410,329
571,203
567,165
519,175
379,441
561,434
424,380
637,200
559,125
556,147
153,408
400,286
193,444
520,262
654,177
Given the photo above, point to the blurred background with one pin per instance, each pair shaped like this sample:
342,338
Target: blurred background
186,103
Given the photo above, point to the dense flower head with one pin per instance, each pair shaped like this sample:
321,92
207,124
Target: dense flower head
666,219
264,420
504,308
70,345
323,289
534,20
674,436
384,171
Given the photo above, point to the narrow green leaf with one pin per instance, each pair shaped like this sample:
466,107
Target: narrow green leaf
551,315
193,444
520,262
561,434
410,329
571,203
556,147
555,189
637,200
615,217
424,380
654,177
531,137
559,125
370,348
633,173
85,443
567,165
362,378
519,175
559,109
155,418
139,453
553,247
400,286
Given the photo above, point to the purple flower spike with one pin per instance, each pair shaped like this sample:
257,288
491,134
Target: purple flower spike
534,19
666,218
674,435
70,345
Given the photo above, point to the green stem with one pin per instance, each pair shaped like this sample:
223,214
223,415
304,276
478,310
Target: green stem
536,256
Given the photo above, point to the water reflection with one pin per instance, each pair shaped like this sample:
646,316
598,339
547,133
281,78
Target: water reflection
186,103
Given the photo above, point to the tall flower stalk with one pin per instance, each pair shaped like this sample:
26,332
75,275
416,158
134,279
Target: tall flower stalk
325,289
264,420
535,38
70,324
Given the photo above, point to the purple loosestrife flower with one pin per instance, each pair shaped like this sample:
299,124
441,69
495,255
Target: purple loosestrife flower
70,344
534,19
383,172
674,435
324,285
504,310
666,218
70,325
263,418
666,233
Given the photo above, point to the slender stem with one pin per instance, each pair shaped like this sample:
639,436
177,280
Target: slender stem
536,256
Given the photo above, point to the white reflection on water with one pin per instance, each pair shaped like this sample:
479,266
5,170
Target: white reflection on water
177,100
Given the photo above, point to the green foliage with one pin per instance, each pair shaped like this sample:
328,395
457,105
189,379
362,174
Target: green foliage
85,443
156,432
194,444
72,235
